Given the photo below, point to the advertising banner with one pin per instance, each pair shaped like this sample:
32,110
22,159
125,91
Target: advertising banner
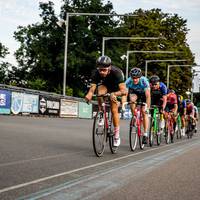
16,102
24,103
49,105
68,108
85,110
30,103
5,101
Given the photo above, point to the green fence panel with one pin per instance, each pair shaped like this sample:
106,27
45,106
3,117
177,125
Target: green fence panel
84,110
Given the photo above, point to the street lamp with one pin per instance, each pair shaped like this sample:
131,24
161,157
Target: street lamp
168,68
129,52
66,37
126,38
149,61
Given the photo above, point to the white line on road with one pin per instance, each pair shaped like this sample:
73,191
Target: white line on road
79,169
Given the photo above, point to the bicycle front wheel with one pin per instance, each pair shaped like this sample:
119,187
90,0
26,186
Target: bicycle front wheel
99,134
151,133
133,135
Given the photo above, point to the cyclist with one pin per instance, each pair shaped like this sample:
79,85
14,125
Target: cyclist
139,90
190,110
111,80
158,94
171,106
182,112
196,117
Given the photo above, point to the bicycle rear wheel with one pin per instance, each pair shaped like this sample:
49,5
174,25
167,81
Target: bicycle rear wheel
99,134
167,134
133,135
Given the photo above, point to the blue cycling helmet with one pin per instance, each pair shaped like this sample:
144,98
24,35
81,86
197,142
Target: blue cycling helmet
136,72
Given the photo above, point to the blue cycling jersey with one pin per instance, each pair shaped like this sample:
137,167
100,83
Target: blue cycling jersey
160,92
139,88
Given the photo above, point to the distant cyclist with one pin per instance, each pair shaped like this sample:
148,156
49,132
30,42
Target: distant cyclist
139,90
182,112
190,111
111,80
196,117
158,94
171,107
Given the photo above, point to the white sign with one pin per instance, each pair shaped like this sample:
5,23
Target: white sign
68,108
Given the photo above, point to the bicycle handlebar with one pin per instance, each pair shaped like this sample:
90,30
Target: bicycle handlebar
137,103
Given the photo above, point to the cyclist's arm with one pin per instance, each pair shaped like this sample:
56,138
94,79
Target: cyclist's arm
148,97
164,102
91,91
175,108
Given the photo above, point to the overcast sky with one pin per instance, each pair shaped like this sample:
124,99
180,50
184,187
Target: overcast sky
23,12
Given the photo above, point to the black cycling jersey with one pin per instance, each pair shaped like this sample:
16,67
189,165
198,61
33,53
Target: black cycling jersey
111,81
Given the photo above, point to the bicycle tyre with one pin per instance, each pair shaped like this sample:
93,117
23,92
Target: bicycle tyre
140,142
151,133
133,135
167,135
99,135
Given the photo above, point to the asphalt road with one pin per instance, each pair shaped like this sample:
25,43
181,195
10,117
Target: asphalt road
53,158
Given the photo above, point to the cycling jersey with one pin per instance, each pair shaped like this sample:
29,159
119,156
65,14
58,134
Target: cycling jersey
190,109
138,89
171,101
181,106
157,94
111,81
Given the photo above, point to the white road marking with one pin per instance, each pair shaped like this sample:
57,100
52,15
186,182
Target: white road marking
79,169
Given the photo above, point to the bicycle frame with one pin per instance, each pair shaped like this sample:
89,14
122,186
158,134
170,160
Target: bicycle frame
139,118
135,131
102,135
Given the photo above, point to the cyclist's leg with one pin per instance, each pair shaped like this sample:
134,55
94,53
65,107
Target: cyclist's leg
183,124
115,114
102,89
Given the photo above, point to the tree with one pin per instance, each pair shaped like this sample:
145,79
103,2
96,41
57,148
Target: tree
41,52
4,66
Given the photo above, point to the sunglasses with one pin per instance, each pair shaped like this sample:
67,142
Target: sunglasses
155,84
102,69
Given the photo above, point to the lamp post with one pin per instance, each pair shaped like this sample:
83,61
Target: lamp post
149,61
168,68
135,51
193,75
66,37
104,39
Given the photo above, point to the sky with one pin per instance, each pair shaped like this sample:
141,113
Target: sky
14,13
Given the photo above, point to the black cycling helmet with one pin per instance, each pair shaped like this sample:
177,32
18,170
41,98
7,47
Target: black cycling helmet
154,79
103,62
135,72
171,91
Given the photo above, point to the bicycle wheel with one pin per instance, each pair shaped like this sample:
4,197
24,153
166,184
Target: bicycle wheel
110,134
99,134
167,134
140,141
151,133
133,135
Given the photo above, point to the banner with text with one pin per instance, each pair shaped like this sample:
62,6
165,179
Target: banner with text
49,105
85,110
5,101
68,108
24,103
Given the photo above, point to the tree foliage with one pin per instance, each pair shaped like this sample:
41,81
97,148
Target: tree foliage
41,52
